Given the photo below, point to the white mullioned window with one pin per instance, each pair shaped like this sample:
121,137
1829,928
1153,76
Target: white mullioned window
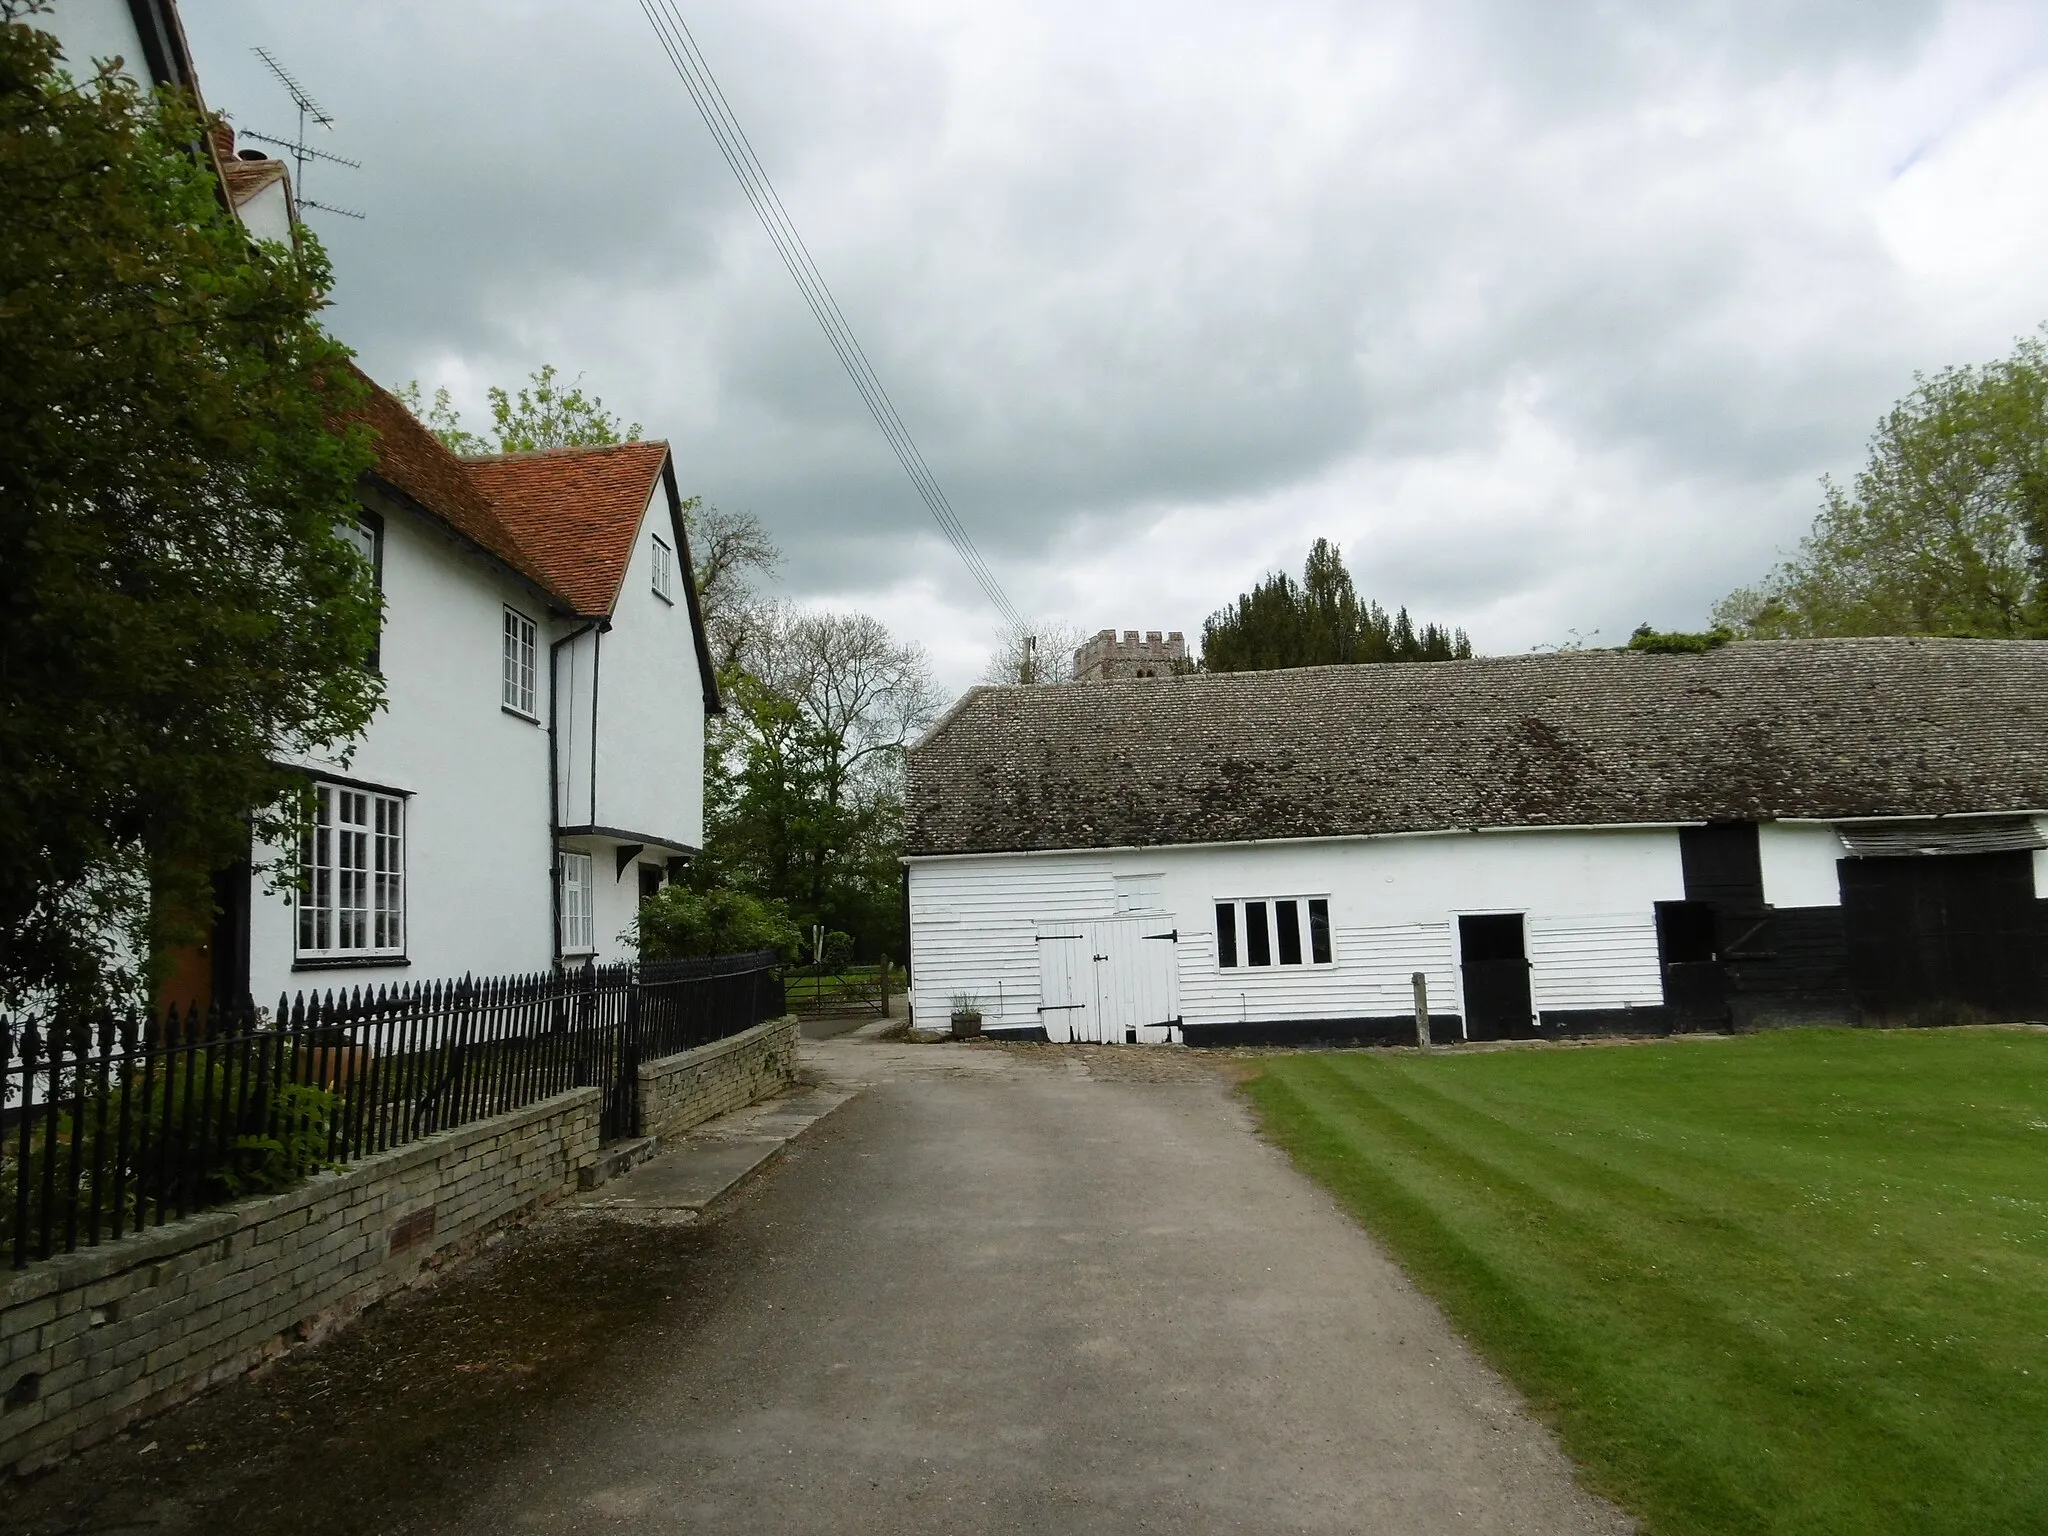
352,875
579,916
519,664
663,560
1272,932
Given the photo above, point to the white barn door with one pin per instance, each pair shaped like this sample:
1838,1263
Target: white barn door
1136,979
1066,981
1109,981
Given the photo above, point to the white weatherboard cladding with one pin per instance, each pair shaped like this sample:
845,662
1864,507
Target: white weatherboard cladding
639,690
1799,860
476,853
1590,897
1605,960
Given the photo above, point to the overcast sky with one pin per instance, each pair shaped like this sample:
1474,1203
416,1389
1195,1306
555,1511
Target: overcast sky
1552,313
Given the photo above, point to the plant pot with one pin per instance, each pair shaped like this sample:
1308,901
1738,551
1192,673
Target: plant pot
966,1026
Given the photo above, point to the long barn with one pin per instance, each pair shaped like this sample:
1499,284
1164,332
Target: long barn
1767,833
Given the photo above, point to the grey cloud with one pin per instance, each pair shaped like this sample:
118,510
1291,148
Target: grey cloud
1117,259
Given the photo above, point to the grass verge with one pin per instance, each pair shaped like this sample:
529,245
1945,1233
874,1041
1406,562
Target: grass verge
1795,1282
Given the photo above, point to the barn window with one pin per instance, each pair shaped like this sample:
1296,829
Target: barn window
1273,932
1258,939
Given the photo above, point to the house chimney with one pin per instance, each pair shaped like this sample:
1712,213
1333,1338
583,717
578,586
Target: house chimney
222,133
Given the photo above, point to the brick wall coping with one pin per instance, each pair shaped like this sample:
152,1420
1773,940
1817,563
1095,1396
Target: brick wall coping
66,1270
746,1039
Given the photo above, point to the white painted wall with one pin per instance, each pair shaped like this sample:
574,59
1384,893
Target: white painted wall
1590,898
268,214
477,856
647,773
615,895
95,29
1799,864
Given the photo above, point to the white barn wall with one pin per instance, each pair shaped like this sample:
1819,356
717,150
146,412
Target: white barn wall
1799,861
1589,895
477,884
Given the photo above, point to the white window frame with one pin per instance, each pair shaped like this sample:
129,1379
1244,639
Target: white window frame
1274,964
579,903
351,900
520,673
664,564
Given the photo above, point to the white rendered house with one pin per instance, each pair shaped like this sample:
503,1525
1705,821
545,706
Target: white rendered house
537,768
1771,832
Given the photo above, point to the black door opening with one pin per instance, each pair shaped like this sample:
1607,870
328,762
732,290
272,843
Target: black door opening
1495,967
1688,946
1942,939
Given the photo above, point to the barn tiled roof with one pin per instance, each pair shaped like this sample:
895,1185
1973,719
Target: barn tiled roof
1795,728
576,511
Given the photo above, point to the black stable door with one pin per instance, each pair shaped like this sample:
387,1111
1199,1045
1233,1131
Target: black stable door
1495,967
1942,939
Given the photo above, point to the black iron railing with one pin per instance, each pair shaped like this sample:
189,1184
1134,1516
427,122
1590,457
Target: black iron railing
113,1125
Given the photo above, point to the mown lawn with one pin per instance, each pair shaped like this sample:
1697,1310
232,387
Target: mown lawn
1794,1282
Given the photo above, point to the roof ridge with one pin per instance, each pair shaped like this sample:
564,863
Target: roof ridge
562,450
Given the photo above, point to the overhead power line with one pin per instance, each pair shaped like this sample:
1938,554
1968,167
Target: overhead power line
731,139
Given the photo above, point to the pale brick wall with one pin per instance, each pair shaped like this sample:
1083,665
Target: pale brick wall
92,1340
678,1092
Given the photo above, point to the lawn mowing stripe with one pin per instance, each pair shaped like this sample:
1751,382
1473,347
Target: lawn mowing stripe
1481,1238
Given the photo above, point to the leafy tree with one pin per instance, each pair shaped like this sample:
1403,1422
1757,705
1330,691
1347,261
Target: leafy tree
1946,528
542,415
1677,642
683,922
1280,623
177,612
804,782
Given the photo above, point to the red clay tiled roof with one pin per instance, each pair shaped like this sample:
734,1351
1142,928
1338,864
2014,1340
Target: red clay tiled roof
412,461
245,178
575,511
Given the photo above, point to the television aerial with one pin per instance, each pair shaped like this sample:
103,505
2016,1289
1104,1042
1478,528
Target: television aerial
310,113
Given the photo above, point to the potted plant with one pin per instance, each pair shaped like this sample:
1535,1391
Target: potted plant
966,1016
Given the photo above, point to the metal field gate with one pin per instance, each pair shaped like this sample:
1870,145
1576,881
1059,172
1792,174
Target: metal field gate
1115,980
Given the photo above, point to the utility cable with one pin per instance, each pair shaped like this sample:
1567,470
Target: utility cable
688,61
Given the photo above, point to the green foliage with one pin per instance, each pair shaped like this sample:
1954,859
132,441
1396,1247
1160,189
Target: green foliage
177,614
683,922
542,415
236,1129
804,772
1946,531
1318,622
1677,642
1787,1283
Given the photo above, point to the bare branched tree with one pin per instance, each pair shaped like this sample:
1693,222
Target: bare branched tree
1045,655
729,553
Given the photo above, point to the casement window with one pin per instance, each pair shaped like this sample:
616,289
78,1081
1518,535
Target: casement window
519,664
579,915
663,565
1287,930
365,535
352,875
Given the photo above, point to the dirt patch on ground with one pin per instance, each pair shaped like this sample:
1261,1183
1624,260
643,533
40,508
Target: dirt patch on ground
1118,1063
386,1427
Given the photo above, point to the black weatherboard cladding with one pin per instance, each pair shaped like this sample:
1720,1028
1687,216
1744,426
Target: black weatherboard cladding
1831,729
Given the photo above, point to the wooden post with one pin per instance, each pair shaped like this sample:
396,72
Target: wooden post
1421,983
885,986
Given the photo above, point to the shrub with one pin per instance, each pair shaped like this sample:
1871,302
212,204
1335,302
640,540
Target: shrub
681,923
